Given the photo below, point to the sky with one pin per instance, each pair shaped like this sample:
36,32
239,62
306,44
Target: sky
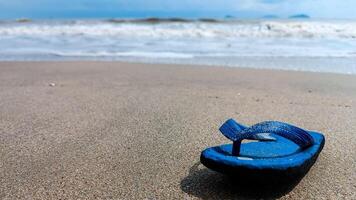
329,9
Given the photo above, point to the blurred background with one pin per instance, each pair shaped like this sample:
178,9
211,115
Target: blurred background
307,35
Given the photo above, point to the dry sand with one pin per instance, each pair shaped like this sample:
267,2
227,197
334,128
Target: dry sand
111,130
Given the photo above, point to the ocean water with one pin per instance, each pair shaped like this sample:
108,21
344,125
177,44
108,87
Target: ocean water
306,45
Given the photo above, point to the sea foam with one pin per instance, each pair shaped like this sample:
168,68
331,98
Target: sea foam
192,29
204,41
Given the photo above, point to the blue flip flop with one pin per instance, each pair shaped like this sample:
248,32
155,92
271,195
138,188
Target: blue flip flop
281,150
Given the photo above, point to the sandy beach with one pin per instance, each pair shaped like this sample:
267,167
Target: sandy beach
112,130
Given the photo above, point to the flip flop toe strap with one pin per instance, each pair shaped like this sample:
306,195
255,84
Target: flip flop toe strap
237,132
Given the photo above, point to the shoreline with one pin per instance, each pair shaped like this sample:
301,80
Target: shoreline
116,130
198,65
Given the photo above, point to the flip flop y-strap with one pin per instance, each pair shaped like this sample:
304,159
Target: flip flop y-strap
260,131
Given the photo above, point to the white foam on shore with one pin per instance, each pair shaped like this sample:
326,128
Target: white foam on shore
278,29
185,41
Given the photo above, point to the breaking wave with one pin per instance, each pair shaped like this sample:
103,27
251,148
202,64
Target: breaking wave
327,46
177,27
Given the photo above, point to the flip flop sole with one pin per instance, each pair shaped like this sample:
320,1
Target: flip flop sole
261,160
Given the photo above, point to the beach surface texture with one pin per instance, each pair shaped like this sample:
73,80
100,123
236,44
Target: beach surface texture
113,130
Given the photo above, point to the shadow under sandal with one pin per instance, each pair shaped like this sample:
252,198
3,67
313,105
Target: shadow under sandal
281,151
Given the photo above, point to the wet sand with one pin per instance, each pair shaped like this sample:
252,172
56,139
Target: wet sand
111,130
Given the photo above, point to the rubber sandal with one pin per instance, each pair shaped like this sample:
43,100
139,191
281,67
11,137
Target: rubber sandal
281,151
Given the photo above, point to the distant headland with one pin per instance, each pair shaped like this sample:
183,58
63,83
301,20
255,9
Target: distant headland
299,16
